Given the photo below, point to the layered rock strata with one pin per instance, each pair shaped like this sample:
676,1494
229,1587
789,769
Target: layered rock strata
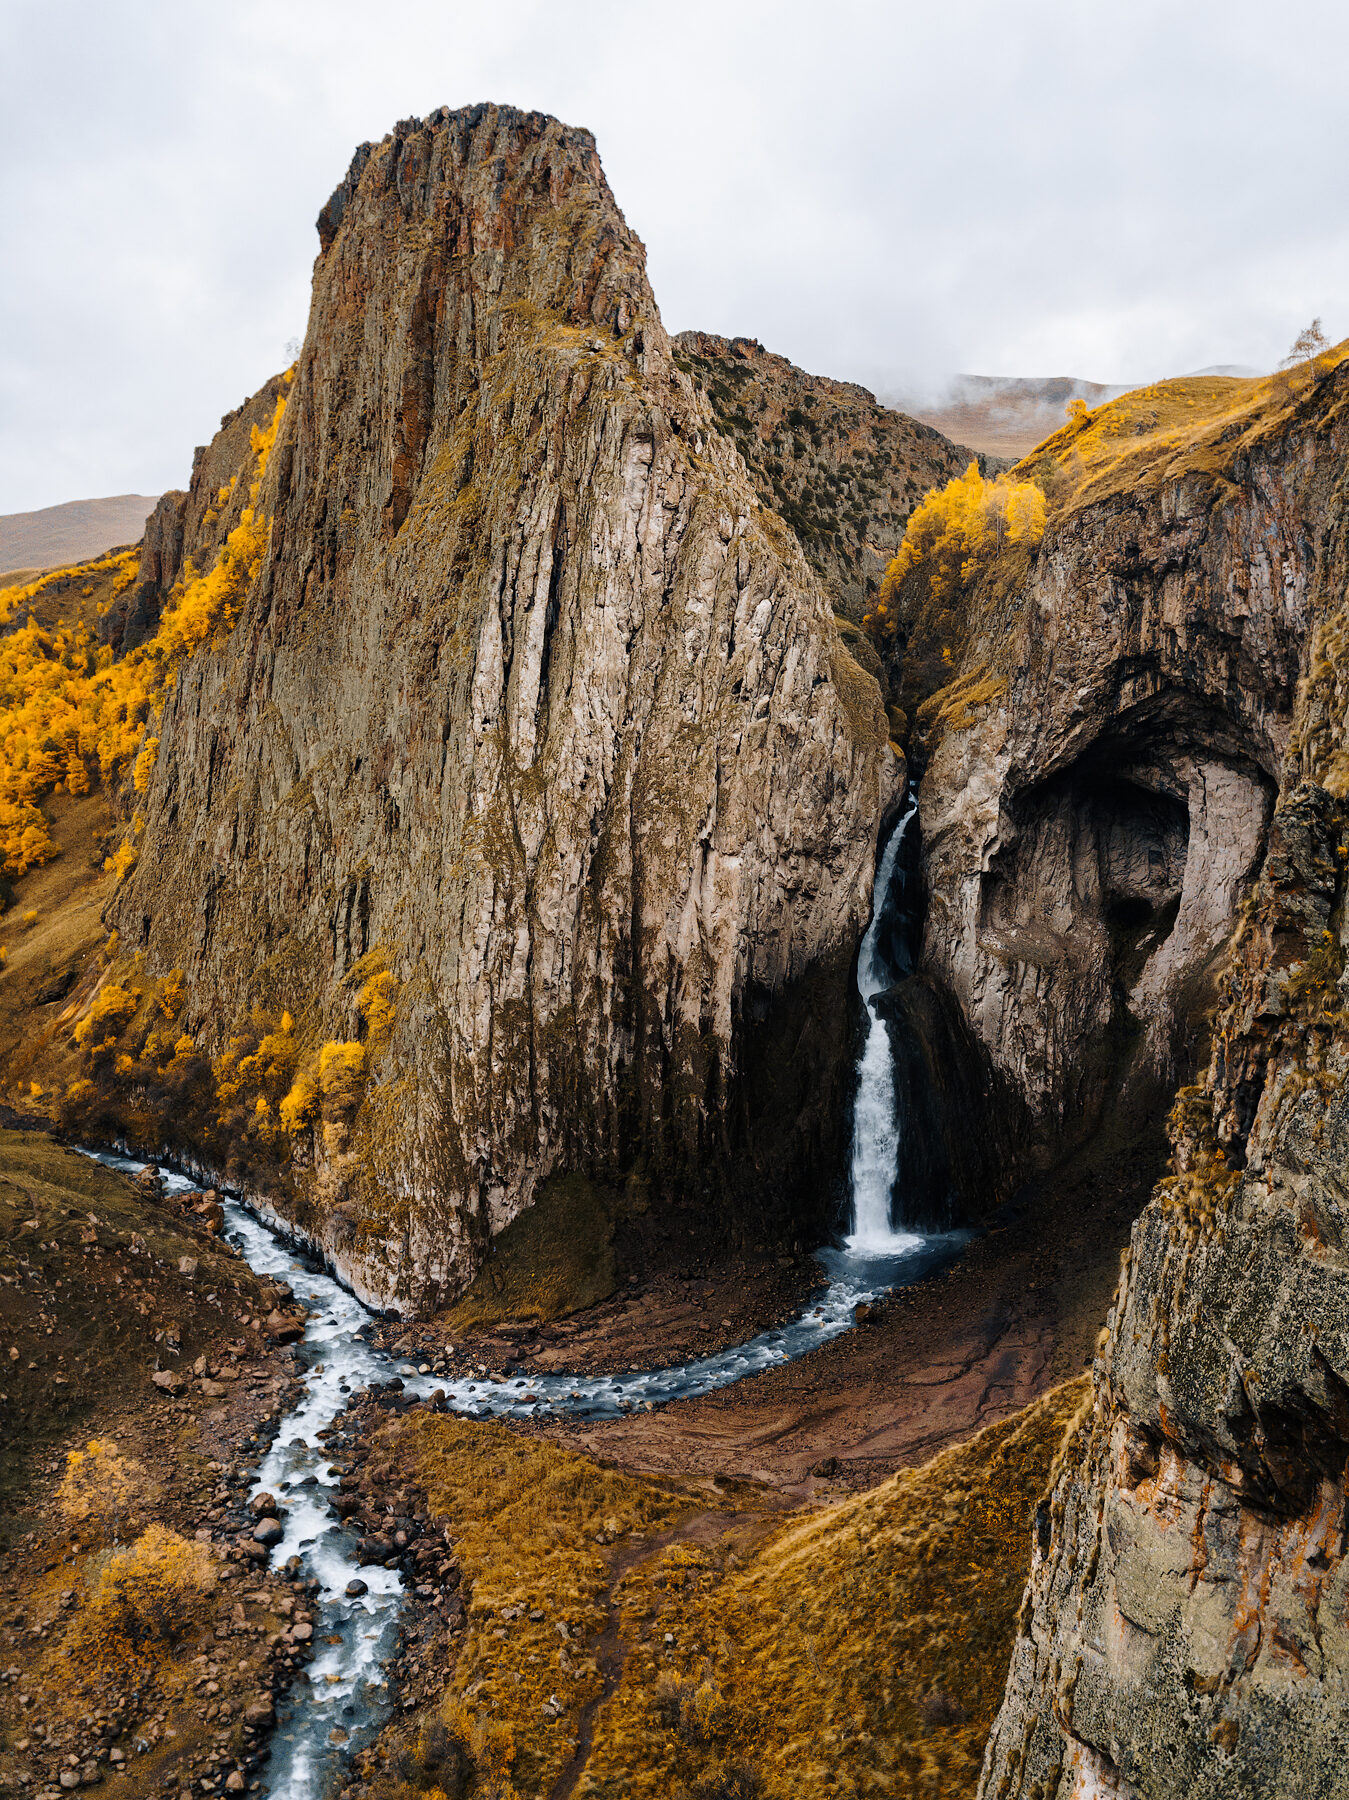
536,706
1186,1628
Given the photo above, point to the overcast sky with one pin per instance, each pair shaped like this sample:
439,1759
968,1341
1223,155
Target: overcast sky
882,191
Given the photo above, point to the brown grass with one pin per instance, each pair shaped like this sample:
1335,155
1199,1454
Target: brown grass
534,1527
1165,431
860,1648
68,896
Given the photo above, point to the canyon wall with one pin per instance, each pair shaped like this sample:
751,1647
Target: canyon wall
1154,811
1100,773
844,471
534,706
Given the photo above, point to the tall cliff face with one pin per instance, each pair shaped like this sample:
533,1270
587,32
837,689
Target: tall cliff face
1101,771
844,471
1186,1628
534,705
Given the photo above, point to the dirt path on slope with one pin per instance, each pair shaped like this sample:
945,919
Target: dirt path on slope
611,1653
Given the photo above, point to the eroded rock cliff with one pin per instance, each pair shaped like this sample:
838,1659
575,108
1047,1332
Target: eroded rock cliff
1178,738
1100,766
533,707
844,471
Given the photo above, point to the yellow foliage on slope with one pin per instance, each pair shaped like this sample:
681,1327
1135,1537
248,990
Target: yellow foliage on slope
861,1650
120,564
70,714
955,530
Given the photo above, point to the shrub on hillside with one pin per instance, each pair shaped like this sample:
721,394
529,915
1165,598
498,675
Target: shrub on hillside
103,1494
146,1600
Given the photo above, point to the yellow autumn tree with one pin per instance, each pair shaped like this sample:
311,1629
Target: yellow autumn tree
70,714
954,531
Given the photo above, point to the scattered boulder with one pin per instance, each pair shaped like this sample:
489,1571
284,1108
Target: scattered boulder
263,1506
268,1531
56,987
826,1468
169,1381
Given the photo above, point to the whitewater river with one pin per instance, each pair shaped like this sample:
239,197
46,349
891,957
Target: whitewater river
345,1699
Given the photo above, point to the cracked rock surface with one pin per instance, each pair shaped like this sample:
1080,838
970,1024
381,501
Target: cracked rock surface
534,702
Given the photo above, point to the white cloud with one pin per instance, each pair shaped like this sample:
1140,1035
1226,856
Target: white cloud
1061,186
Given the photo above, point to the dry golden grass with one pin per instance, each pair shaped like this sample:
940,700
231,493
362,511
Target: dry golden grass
1165,431
535,1528
859,1648
68,896
144,1602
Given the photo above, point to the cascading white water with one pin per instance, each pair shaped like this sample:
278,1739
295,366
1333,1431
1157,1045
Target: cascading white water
345,1686
875,1145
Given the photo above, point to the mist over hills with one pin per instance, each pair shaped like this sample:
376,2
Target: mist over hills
1008,415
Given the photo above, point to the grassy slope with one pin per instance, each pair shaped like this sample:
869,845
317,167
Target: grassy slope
1159,433
958,645
68,896
712,1650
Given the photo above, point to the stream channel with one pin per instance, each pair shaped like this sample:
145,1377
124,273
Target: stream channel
345,1692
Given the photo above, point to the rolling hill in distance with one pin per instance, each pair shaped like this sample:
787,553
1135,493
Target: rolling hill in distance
71,532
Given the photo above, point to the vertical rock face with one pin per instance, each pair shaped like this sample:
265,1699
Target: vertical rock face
1186,1628
1100,780
534,704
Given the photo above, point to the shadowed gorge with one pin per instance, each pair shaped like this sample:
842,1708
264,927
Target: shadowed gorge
677,937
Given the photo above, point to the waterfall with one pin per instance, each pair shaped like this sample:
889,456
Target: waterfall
875,1145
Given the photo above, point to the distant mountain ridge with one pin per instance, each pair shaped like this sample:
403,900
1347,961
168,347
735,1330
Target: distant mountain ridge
72,532
1004,415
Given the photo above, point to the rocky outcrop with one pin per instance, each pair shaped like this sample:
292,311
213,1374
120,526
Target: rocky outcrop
535,706
1100,775
844,471
189,528
1186,1628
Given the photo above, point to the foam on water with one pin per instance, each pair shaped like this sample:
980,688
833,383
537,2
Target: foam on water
345,1691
